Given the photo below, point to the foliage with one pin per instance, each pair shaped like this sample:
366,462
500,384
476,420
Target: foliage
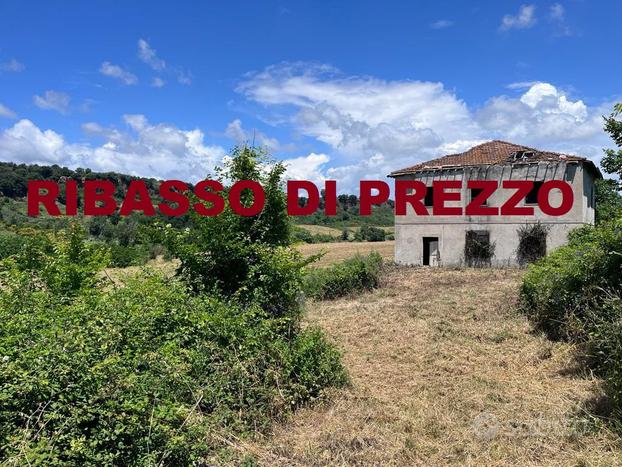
608,200
303,235
477,251
612,160
348,214
370,233
352,275
147,373
531,243
575,293
244,258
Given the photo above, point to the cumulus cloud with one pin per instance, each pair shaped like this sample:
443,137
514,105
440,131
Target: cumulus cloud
6,112
307,167
149,150
115,71
374,126
524,19
53,100
12,66
360,114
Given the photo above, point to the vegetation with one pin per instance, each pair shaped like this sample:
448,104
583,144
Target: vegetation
478,251
531,243
575,293
352,275
158,370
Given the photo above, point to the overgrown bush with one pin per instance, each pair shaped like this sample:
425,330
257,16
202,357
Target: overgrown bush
531,243
144,374
369,233
157,371
574,293
352,275
478,250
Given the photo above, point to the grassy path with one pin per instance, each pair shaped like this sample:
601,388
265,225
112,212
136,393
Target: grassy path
444,372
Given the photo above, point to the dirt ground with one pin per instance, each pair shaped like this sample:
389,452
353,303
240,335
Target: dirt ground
339,251
444,371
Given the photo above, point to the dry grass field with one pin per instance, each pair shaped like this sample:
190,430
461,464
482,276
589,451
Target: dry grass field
339,251
444,371
321,229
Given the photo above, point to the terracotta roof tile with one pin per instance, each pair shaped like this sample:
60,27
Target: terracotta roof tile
491,153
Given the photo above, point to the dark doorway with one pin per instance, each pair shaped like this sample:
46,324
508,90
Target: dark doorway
430,251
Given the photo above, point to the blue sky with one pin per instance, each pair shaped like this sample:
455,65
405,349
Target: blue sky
341,90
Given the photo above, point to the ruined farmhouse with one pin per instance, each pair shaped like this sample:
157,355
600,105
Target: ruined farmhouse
494,240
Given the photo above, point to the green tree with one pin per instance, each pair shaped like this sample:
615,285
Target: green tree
245,258
612,161
608,198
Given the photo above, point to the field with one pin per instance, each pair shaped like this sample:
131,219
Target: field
335,252
321,229
444,371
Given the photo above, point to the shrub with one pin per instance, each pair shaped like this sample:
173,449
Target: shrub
574,294
369,233
352,275
143,374
122,256
559,290
531,243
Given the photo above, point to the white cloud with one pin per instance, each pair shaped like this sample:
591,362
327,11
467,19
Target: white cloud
115,71
557,12
239,135
6,112
360,114
441,24
53,100
374,126
149,56
12,66
162,150
158,82
307,167
523,20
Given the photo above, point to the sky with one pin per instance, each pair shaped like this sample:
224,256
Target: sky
337,90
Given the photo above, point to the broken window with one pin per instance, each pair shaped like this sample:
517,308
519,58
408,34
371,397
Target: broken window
531,243
478,250
532,196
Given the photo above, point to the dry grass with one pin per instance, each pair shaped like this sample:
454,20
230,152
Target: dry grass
339,251
320,229
443,372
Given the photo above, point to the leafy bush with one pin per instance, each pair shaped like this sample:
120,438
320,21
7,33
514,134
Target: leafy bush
352,275
369,233
147,373
11,243
575,293
144,374
478,251
559,290
122,256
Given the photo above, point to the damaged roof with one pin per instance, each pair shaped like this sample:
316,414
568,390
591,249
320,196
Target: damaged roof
493,153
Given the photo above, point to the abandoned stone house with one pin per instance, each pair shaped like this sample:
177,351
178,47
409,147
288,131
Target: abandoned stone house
494,240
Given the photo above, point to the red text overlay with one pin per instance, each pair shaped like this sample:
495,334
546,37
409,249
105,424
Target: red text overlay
98,198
